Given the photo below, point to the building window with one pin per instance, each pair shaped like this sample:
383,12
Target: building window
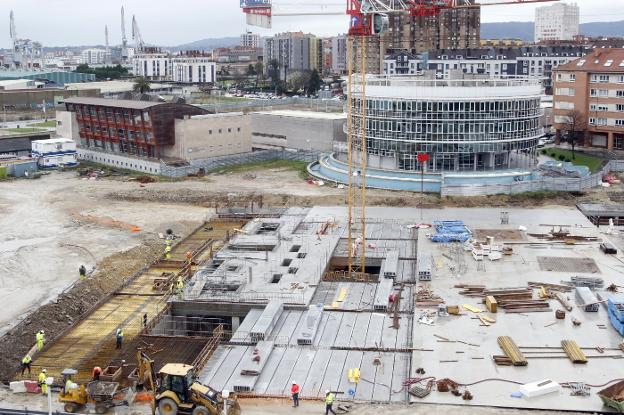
229,130
599,92
220,131
619,107
619,94
238,129
572,77
597,107
619,123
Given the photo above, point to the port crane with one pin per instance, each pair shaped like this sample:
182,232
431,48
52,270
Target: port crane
366,18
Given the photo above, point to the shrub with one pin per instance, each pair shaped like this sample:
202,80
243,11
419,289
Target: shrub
544,152
561,157
568,160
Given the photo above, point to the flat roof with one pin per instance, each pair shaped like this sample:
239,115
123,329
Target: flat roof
54,140
306,114
116,103
111,86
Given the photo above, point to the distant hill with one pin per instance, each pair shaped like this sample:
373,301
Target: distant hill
209,44
524,30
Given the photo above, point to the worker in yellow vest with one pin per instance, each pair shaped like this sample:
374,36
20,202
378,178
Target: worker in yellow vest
40,337
119,335
42,382
168,251
180,287
329,402
26,361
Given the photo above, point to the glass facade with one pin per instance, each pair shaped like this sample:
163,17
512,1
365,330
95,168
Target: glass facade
460,134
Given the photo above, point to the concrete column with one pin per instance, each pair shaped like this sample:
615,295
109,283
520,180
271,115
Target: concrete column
610,141
235,323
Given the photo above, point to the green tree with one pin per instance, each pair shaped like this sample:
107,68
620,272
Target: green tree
251,70
314,83
274,72
575,127
141,85
83,68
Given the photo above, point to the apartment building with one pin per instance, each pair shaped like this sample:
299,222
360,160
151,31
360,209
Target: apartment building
191,67
559,21
250,40
534,61
95,56
294,51
591,89
339,54
401,63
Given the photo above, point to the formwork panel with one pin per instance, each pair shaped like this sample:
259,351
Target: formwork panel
383,378
282,374
343,338
368,371
358,336
227,373
399,374
330,332
302,368
314,380
388,334
353,360
375,330
265,378
335,368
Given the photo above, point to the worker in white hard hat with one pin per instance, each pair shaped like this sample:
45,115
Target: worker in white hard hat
329,402
294,391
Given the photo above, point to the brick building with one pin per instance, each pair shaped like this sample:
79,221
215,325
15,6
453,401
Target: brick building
591,89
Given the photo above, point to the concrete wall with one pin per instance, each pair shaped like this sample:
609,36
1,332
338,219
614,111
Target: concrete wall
297,130
211,135
142,165
67,125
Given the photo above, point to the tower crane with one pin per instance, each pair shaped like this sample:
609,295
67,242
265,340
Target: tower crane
136,35
12,30
124,39
107,56
366,18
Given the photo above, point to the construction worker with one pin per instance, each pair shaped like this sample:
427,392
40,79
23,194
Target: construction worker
119,336
145,320
83,272
26,361
97,371
40,337
168,251
294,391
180,287
42,382
329,402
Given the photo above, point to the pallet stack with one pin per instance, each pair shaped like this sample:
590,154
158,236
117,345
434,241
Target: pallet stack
512,352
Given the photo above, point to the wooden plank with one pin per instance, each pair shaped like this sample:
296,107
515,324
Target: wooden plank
512,351
575,354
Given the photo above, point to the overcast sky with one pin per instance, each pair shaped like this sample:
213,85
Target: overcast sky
170,22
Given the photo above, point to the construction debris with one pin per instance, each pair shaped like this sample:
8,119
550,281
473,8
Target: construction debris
589,282
425,297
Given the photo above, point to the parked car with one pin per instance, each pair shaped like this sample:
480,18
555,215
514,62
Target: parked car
608,248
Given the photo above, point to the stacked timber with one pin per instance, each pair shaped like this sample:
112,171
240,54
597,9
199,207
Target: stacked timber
512,352
425,297
574,352
550,287
523,306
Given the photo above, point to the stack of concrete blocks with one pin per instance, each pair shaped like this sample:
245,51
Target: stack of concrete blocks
424,266
312,321
267,321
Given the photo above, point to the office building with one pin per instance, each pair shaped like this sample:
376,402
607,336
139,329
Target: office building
589,96
153,64
138,134
559,21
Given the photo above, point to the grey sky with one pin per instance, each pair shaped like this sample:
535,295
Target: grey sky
169,22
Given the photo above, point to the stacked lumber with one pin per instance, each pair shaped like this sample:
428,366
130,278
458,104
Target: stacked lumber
523,306
511,351
574,352
550,287
471,290
425,297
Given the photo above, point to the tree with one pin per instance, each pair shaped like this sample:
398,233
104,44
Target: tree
105,73
141,85
314,83
251,70
575,128
298,80
83,68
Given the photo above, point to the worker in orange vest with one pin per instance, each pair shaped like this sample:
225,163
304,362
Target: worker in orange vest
294,391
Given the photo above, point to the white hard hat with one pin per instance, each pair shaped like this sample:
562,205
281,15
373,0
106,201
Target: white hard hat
327,391
44,371
294,383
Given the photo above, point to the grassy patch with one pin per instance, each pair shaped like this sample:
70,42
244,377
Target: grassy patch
23,130
580,159
46,124
298,166
539,195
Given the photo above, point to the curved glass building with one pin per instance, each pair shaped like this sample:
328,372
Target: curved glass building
478,124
